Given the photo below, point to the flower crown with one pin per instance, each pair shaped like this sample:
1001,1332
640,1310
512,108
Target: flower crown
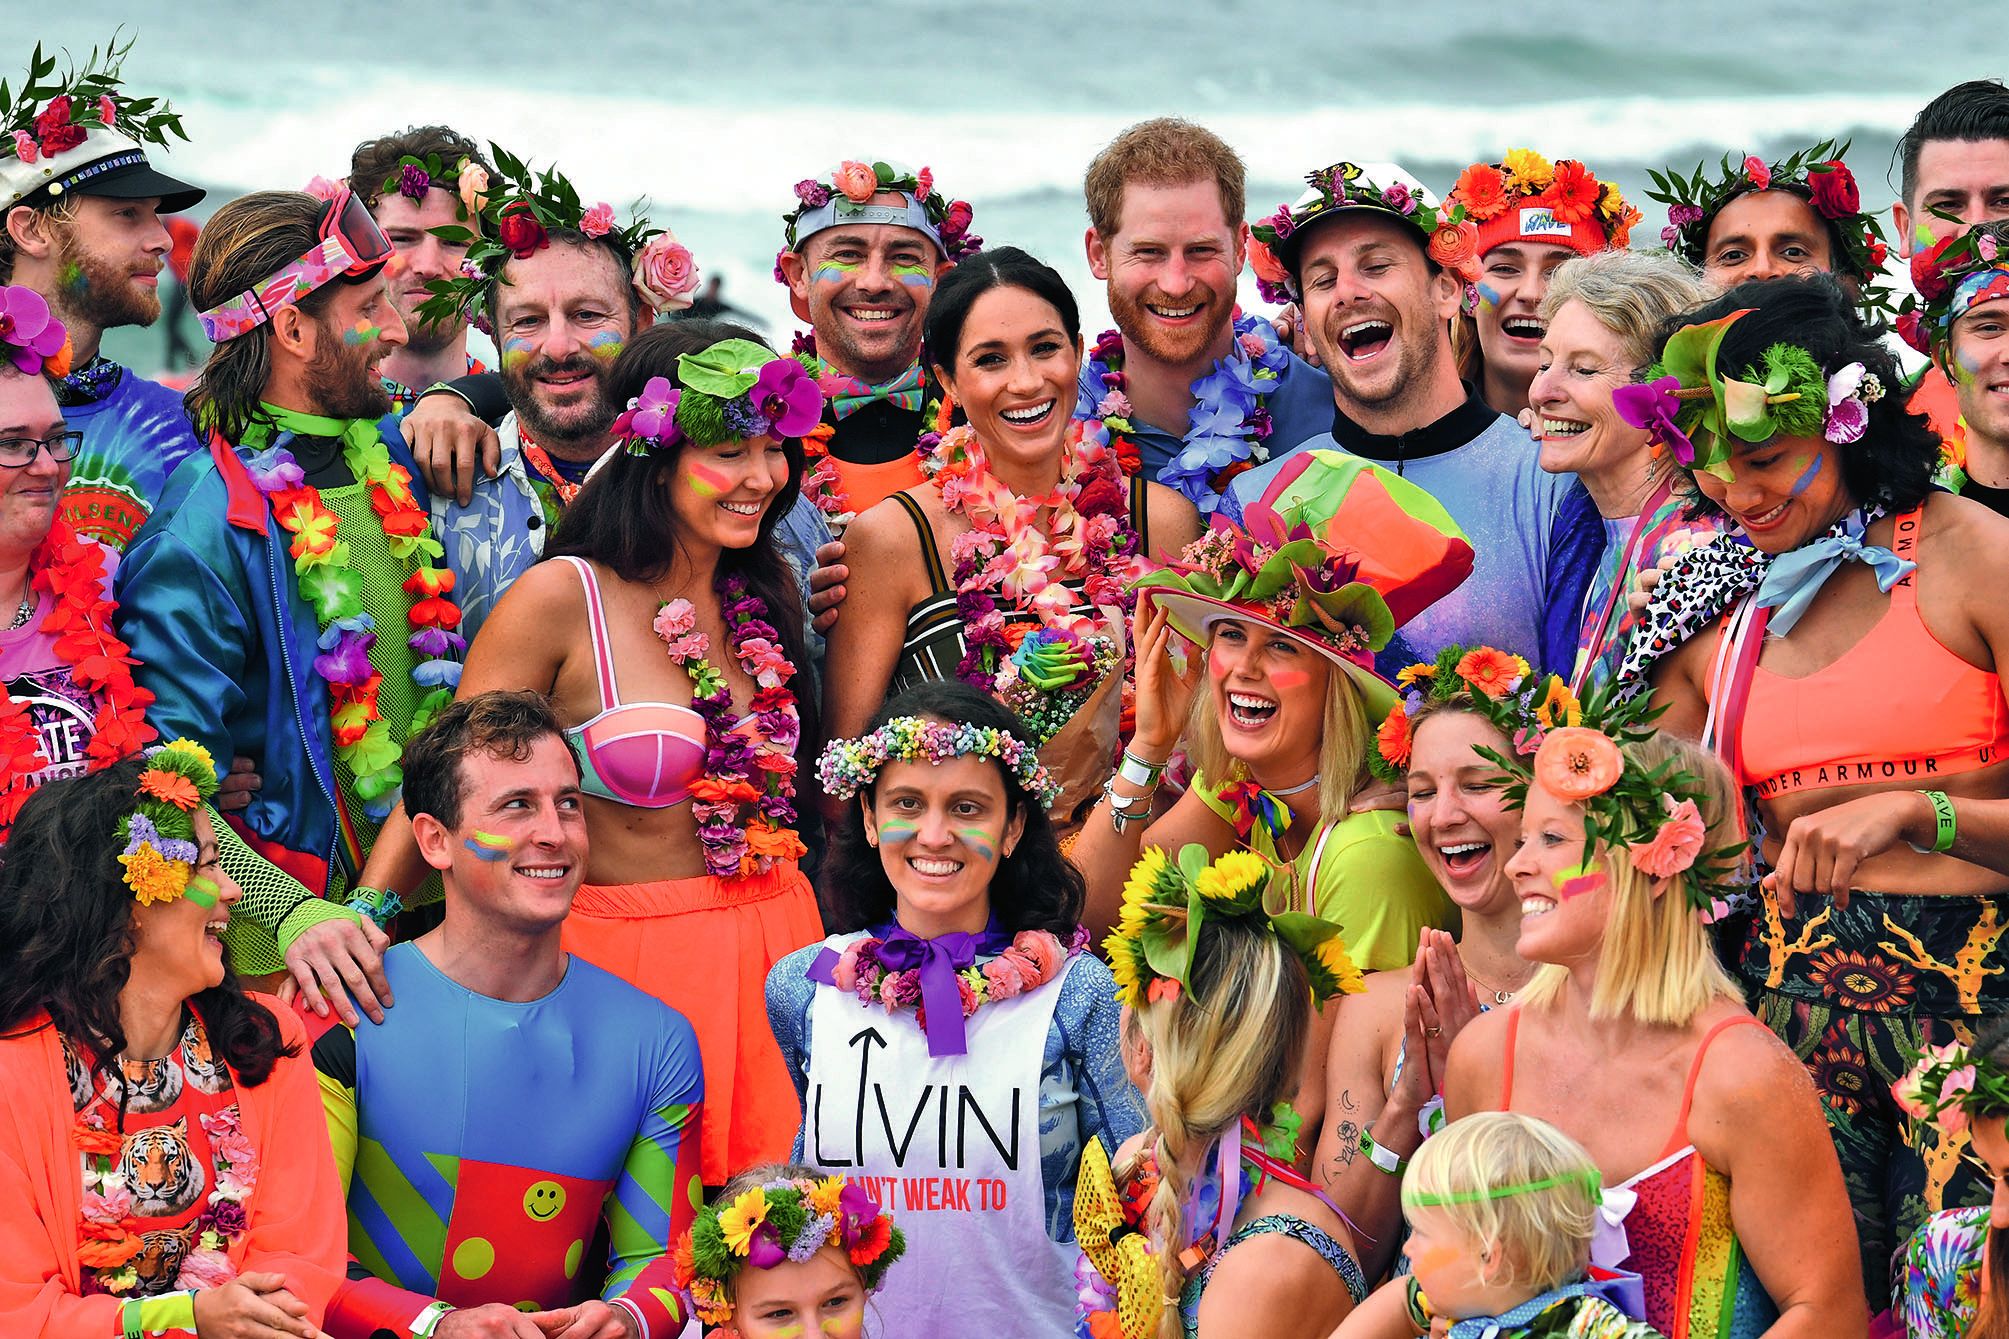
1688,406
787,1220
848,766
1950,1086
72,104
1571,748
731,391
514,222
1568,190
31,337
1168,904
852,185
466,179
1457,674
1818,173
159,834
1952,276
1450,238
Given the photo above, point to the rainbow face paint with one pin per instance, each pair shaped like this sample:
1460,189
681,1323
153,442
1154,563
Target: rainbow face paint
895,830
979,841
516,352
833,272
362,332
202,891
915,276
1578,881
1489,296
1807,476
707,482
488,847
606,345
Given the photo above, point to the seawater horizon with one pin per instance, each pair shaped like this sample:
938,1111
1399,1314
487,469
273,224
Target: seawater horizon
711,113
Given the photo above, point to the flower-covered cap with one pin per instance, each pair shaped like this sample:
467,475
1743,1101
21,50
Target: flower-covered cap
785,1221
1950,1086
1689,407
733,390
159,834
510,217
848,766
1168,904
31,337
1817,175
1526,198
1337,554
1952,277
1570,747
844,195
80,132
1447,235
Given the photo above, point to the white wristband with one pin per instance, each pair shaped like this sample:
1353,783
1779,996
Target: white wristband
427,1320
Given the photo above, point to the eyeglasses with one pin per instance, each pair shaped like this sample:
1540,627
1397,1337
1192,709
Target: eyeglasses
16,452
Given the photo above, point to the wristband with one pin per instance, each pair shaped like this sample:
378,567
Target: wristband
1387,1159
155,1315
427,1320
1137,772
1945,826
379,904
447,388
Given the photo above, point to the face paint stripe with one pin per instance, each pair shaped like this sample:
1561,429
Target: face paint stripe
1807,477
487,846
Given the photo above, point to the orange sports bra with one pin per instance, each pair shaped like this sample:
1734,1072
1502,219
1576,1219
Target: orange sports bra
1897,706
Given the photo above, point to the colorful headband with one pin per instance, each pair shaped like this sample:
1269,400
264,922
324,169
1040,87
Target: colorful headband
1950,1086
31,337
1167,906
159,835
514,222
845,196
1589,1180
785,1221
1689,407
848,766
1817,174
1951,277
1524,197
731,391
328,261
1450,238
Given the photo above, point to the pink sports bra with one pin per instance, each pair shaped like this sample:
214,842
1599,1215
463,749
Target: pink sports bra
645,754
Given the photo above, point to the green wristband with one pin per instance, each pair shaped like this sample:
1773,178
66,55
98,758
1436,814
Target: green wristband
156,1315
1945,826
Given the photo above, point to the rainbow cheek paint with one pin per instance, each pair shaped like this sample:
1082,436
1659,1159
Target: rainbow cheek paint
979,842
487,846
833,272
1807,477
516,352
202,891
1577,881
895,830
605,345
914,276
707,482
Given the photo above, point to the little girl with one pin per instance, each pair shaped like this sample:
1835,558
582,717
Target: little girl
817,1246
1501,1209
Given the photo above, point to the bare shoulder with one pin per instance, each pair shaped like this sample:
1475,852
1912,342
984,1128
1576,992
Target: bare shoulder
1377,1010
1268,1281
1175,522
1473,1075
547,589
1747,1067
1959,530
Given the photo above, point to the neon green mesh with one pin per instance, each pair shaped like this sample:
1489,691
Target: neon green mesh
274,909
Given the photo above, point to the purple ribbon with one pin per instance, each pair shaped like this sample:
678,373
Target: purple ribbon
939,959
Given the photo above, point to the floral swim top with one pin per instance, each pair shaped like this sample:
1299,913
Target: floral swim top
1939,1273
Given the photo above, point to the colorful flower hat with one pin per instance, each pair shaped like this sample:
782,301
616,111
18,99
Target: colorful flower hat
512,215
1952,277
31,338
844,195
1951,1086
466,179
1688,406
1526,198
785,1221
1450,239
80,132
733,390
159,834
1571,748
1338,553
1817,175
1168,905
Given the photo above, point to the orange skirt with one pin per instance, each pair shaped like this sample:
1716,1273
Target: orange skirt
704,946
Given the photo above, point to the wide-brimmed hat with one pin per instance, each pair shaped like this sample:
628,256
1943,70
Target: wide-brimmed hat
1337,554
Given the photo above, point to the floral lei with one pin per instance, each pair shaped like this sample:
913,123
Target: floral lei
327,579
1010,556
1034,958
738,748
109,1237
1229,422
73,571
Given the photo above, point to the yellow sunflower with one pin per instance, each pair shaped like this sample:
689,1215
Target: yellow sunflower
1229,877
1336,962
1140,889
1126,965
1410,674
738,1222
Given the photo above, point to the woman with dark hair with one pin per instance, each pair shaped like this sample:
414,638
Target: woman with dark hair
163,1154
1953,1279
1025,531
667,630
953,1037
1840,647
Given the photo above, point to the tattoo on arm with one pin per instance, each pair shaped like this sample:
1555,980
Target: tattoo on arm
1346,1101
1348,1135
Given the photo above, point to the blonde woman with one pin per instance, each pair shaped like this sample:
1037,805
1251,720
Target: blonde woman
1632,1039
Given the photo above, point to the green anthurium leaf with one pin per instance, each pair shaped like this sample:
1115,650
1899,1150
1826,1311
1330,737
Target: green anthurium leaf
1356,605
726,370
1168,948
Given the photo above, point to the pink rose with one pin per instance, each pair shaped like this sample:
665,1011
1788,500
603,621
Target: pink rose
1759,174
322,189
108,110
1113,405
1042,948
597,221
665,274
24,145
1674,846
205,1269
924,183
472,182
845,973
1986,245
857,181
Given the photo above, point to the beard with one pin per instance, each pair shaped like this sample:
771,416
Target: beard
342,379
97,292
1174,348
1415,363
576,425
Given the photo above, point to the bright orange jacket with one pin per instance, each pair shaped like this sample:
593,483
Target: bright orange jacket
297,1225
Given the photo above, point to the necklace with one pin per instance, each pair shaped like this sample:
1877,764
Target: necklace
1228,424
1499,996
27,606
1299,788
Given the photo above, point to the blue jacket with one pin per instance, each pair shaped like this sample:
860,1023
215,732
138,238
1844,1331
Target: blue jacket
210,606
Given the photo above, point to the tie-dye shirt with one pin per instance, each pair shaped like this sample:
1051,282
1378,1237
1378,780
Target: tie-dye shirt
133,439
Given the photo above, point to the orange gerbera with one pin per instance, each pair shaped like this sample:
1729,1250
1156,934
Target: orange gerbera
1482,189
1576,763
1573,195
1393,738
1494,673
169,788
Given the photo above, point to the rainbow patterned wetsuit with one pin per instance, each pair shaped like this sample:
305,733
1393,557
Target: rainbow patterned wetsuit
482,1143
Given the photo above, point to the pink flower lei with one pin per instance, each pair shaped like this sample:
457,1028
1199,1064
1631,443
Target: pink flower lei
1034,958
744,803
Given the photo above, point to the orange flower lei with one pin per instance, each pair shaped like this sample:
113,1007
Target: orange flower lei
73,570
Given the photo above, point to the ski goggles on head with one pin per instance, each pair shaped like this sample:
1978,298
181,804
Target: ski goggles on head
351,245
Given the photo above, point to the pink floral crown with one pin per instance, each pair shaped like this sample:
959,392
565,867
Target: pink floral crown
844,194
734,390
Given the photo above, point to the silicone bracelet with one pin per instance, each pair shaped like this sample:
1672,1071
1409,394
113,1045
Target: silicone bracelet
155,1315
1945,825
1387,1159
1138,772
